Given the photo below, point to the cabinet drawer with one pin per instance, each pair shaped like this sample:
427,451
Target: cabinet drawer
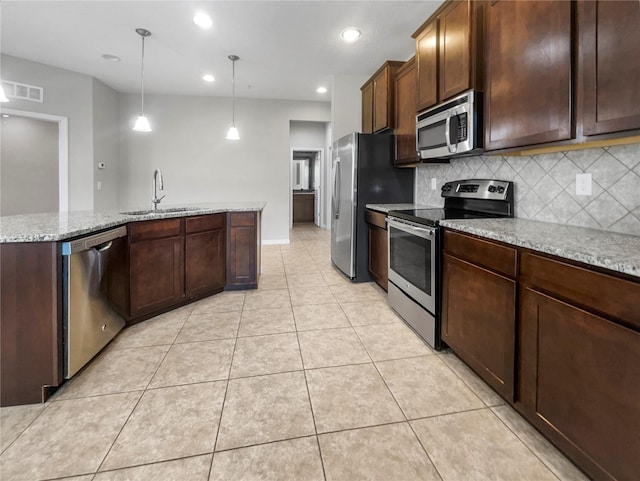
203,223
488,254
612,296
375,218
154,229
238,219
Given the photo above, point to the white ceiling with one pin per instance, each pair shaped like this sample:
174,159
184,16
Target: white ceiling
287,48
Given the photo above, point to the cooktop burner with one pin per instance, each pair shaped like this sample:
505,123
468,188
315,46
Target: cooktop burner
432,217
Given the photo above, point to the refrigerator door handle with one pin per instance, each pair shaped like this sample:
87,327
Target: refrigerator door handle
336,190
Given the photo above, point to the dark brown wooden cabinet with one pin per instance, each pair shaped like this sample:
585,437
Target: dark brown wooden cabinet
243,252
367,108
405,115
304,206
427,66
479,307
378,98
31,321
378,247
204,252
449,52
156,265
580,363
609,65
528,73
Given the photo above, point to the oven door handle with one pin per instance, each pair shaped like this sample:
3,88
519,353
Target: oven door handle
424,232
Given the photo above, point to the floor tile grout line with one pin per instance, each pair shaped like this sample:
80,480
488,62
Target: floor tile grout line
524,442
425,451
226,390
45,407
466,383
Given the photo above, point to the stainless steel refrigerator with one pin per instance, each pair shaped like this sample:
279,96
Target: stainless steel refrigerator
363,173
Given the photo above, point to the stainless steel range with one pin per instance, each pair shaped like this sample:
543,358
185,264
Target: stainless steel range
415,250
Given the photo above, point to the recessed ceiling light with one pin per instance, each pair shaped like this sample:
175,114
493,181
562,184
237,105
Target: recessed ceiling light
111,58
350,34
202,20
208,78
321,90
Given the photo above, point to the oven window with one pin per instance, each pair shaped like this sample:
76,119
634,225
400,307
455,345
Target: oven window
410,257
432,135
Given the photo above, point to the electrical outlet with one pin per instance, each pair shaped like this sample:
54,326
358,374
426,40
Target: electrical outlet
434,184
583,184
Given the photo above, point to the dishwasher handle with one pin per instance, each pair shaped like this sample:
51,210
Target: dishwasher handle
104,247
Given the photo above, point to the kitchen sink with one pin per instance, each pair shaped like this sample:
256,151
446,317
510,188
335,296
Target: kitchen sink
162,211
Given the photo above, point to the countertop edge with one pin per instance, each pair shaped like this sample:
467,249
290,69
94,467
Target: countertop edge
566,252
114,219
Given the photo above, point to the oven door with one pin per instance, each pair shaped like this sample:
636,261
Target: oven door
412,260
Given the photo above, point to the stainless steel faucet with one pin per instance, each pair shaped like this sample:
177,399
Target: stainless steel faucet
157,184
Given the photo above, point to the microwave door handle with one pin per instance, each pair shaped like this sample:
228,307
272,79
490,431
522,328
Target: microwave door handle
447,138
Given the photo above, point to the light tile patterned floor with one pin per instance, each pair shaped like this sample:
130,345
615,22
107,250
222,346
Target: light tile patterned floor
307,378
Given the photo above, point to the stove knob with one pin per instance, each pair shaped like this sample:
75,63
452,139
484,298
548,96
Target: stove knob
492,188
500,190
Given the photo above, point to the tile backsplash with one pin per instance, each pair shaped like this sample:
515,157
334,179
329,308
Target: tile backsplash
545,185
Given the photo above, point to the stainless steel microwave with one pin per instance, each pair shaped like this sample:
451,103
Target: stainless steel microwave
453,128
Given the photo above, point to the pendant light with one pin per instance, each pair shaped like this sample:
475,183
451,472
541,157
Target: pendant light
142,123
3,97
233,132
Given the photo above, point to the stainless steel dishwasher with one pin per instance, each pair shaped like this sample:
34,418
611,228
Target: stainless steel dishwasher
89,322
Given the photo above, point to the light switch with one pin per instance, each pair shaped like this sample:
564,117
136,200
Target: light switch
434,184
583,184
99,185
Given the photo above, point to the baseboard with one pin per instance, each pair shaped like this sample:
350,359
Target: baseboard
275,242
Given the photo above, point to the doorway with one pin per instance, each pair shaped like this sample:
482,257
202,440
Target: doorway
33,171
306,181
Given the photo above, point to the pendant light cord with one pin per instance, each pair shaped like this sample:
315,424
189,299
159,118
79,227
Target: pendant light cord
142,79
233,90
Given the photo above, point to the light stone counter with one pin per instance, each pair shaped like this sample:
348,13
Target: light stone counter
610,250
64,225
385,208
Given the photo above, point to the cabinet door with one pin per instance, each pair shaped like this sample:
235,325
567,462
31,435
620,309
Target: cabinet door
427,66
382,94
204,263
580,384
405,110
478,321
455,48
367,108
609,40
157,274
528,73
242,254
379,255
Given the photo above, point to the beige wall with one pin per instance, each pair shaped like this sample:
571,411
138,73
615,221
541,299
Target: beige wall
199,165
106,139
29,166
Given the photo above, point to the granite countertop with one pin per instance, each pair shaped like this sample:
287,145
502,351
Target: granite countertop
610,250
54,226
385,208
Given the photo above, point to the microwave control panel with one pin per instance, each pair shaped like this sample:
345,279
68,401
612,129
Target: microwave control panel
462,127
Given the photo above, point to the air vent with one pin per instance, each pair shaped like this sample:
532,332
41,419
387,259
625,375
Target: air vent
15,90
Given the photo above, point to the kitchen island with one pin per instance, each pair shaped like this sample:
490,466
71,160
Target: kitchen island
167,259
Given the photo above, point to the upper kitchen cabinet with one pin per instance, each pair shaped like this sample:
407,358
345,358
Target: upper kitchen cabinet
609,65
449,52
378,99
405,112
367,108
528,73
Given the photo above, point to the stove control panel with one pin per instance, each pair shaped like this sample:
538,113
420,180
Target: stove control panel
478,189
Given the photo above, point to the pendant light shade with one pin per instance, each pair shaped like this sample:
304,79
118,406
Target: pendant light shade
233,132
142,123
3,97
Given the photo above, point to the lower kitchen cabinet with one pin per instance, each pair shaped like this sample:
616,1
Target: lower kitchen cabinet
243,250
204,255
378,248
478,320
580,363
156,266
